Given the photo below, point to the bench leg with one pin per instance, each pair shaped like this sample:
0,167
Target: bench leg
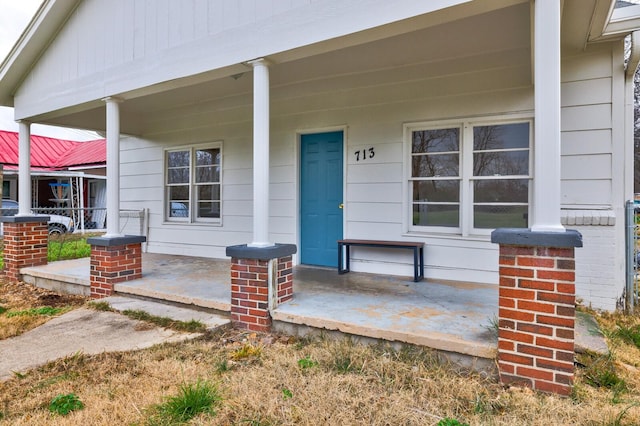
341,258
418,264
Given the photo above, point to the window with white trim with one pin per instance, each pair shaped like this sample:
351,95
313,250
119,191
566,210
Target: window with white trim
469,177
193,177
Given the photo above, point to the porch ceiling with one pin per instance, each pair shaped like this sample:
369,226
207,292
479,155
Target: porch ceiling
460,48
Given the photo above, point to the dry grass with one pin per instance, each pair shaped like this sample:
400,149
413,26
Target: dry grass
268,380
269,386
20,296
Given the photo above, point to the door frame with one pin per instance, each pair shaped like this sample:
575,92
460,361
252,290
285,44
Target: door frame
298,152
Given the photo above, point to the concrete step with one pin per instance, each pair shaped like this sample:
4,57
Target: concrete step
211,321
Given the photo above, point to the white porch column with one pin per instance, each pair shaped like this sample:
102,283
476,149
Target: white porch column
24,168
260,153
546,168
113,167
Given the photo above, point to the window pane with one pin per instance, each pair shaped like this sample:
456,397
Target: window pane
207,174
205,157
500,217
436,215
436,190
209,209
180,175
501,191
501,163
208,192
437,140
178,159
177,209
179,193
503,136
435,165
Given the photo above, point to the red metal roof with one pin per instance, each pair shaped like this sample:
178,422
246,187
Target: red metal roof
53,154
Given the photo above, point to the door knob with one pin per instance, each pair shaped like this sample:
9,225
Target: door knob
341,205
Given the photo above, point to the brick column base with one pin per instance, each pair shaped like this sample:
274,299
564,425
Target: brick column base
114,260
536,314
261,279
25,244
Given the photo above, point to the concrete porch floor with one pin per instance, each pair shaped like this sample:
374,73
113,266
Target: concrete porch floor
454,317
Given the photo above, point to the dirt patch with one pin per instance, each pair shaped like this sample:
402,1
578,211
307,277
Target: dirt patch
16,297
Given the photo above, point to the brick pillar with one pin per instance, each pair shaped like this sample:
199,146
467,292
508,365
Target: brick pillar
114,260
261,278
25,244
536,314
284,276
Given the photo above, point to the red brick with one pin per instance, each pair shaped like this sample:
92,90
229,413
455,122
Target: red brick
515,380
540,262
535,351
507,282
556,321
516,251
565,333
507,260
557,298
566,311
564,379
534,373
516,272
555,252
554,343
537,285
555,275
515,359
566,264
566,367
536,306
566,288
506,345
516,315
535,328
558,389
506,302
506,368
514,335
503,323
516,293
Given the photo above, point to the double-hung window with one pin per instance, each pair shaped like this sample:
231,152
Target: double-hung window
469,177
193,183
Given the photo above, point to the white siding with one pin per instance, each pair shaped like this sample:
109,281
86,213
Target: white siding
592,171
110,47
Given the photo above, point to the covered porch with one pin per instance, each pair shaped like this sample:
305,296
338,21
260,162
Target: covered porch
456,318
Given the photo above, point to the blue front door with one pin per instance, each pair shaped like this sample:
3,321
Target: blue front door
321,198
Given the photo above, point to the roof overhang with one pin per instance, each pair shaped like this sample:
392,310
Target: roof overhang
611,22
41,30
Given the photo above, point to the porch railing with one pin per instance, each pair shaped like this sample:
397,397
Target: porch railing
91,219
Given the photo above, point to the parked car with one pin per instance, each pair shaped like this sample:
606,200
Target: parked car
58,224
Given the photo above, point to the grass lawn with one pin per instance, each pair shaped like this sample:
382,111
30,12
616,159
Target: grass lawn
238,378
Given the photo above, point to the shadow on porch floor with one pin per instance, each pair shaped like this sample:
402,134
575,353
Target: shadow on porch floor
454,317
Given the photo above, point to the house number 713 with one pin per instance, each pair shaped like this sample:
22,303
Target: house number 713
364,154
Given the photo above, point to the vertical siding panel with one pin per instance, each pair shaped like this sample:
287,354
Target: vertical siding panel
215,16
187,20
139,29
128,32
201,18
151,26
162,25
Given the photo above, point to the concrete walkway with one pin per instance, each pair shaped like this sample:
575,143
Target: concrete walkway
88,331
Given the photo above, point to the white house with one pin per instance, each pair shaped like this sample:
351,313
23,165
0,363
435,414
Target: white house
308,121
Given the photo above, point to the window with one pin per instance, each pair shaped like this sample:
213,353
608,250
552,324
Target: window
193,178
469,177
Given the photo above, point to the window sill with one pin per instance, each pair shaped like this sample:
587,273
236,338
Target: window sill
455,237
186,223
